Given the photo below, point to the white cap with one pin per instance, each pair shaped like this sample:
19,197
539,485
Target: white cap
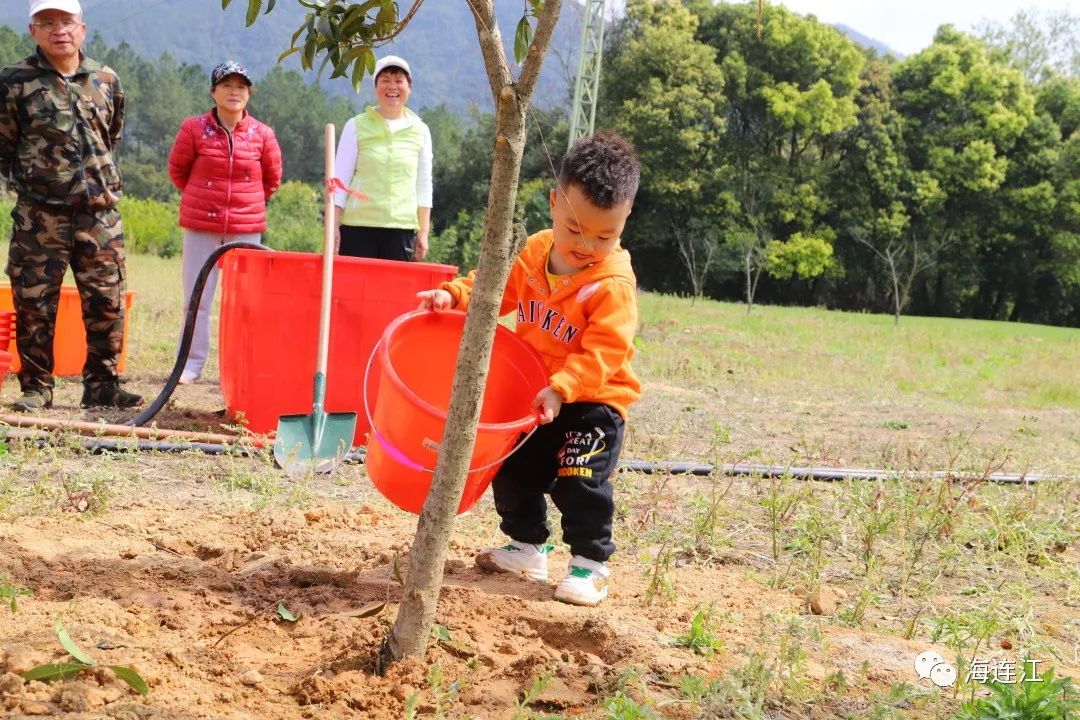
69,6
391,61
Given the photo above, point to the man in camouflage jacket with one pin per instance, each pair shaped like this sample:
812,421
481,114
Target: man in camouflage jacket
61,115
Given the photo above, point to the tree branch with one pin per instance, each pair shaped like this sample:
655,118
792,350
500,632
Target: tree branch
487,32
384,39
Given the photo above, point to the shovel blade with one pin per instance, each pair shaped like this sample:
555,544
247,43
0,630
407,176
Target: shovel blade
318,441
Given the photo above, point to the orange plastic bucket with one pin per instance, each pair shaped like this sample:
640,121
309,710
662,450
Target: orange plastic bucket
69,340
415,361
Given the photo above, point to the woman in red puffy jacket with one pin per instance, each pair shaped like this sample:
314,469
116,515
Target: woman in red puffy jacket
226,164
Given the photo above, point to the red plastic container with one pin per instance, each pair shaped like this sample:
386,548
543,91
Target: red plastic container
415,363
5,365
7,331
270,325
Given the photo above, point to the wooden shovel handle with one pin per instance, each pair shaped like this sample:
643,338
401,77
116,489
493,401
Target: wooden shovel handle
328,252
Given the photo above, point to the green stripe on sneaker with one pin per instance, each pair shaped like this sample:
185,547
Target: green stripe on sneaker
580,572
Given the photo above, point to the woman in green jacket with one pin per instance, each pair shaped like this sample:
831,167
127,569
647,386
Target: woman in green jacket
385,154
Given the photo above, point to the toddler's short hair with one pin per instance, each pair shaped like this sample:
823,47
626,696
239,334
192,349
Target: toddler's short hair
605,166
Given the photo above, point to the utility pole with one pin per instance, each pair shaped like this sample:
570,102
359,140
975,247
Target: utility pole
587,82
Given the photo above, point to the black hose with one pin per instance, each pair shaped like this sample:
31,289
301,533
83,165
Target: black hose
823,474
189,329
358,455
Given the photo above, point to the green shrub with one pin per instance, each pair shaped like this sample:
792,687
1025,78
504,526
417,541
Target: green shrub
294,218
147,181
6,206
150,227
459,244
533,207
1042,698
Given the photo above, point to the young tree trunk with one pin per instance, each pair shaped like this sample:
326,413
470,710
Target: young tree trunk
753,274
411,630
894,273
749,283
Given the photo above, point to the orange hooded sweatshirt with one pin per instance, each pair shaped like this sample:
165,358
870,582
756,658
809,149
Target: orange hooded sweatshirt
583,329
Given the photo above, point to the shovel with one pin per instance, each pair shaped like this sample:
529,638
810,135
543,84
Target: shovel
318,441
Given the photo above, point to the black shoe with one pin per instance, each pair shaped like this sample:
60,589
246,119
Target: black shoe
32,400
108,394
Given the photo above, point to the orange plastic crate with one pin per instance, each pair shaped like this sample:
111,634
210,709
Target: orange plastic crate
69,344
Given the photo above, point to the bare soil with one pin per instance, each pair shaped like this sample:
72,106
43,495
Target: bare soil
187,594
177,564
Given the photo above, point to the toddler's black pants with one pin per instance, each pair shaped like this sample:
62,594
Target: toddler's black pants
571,459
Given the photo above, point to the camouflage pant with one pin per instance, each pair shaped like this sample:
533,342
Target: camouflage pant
44,241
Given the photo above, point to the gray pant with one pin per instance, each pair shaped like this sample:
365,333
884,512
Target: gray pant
197,248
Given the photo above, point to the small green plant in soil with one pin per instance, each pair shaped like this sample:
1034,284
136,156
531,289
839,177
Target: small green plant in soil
701,637
82,662
10,592
1044,698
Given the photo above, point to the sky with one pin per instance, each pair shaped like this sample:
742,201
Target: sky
908,26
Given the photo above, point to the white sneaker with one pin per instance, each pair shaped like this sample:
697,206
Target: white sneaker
522,558
188,378
585,584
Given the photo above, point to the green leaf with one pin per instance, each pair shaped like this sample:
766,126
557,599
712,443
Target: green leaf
368,610
357,75
287,53
386,19
73,650
322,66
54,671
296,35
440,632
352,21
522,39
355,53
270,6
225,4
254,6
132,678
285,614
307,57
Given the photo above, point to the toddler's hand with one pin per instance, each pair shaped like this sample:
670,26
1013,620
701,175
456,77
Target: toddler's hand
435,300
548,402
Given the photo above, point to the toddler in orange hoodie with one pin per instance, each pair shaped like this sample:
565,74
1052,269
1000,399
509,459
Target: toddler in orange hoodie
575,297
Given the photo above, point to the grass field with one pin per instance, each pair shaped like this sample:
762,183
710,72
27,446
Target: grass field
747,597
798,385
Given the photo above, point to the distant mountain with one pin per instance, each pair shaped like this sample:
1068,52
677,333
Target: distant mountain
868,42
439,43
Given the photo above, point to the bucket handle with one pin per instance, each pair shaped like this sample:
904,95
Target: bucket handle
398,455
